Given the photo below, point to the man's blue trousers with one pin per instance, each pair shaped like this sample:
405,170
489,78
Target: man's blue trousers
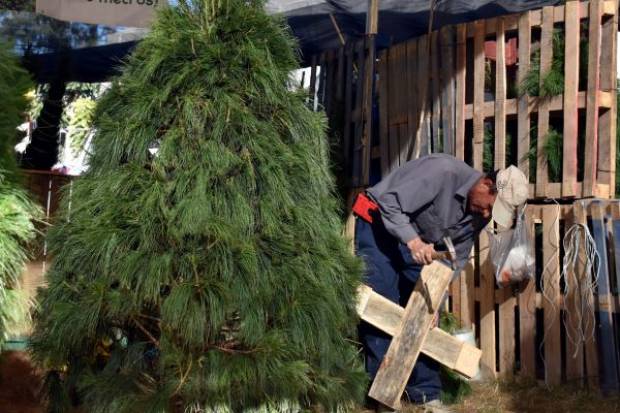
391,272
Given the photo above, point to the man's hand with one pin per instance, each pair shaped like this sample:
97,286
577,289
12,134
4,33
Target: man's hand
421,252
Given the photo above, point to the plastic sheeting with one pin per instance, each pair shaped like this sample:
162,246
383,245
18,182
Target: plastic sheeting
315,23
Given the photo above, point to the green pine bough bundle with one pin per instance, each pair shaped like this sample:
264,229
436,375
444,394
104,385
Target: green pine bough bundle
17,230
201,265
17,211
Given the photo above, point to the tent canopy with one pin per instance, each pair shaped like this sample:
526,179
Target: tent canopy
315,23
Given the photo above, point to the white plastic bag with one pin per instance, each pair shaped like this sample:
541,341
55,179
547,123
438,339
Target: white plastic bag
511,254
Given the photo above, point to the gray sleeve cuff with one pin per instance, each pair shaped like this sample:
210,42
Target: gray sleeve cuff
404,233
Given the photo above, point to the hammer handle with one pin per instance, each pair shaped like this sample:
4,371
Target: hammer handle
441,255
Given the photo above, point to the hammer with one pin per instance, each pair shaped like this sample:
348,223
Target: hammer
450,256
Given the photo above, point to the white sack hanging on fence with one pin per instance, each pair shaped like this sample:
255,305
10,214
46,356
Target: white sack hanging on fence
511,253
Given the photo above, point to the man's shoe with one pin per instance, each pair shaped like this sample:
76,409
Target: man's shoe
436,406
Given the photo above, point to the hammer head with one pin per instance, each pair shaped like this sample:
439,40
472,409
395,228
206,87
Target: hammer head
451,253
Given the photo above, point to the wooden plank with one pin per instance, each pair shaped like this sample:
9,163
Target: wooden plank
571,92
447,88
403,139
461,64
422,147
610,8
455,293
403,352
487,308
312,89
591,353
330,92
500,96
401,78
606,164
551,305
439,345
556,103
435,95
394,145
340,76
527,311
546,55
348,108
615,208
367,101
523,111
384,145
572,317
467,293
594,56
322,80
607,343
412,96
508,302
356,174
478,114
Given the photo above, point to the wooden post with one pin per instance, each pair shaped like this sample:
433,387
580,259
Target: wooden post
546,55
523,111
571,91
348,108
461,63
573,316
384,146
500,96
478,107
551,302
592,98
487,308
607,121
435,97
412,100
447,88
527,309
608,364
591,348
372,22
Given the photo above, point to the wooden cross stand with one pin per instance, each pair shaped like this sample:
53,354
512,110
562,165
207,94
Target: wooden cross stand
411,330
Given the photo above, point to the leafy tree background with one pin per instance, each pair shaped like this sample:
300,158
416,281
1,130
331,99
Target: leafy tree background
17,212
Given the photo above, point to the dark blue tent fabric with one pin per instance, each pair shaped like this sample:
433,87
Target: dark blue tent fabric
312,23
91,64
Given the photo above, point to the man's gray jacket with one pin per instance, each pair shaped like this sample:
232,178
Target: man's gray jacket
427,198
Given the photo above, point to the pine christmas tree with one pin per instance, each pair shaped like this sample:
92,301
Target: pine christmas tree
17,211
201,266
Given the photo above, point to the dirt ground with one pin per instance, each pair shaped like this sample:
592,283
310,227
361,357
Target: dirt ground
20,384
515,397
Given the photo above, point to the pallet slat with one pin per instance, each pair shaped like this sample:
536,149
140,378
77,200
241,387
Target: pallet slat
571,91
594,55
461,64
546,54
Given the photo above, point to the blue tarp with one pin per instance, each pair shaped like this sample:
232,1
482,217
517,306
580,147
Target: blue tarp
313,22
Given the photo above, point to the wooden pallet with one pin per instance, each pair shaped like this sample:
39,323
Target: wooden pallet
596,363
462,102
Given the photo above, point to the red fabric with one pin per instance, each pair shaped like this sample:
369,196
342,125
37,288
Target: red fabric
363,207
511,51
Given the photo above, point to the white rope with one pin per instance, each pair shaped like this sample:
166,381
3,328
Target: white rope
548,289
579,271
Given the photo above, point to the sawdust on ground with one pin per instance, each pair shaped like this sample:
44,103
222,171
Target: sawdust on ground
527,397
20,385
